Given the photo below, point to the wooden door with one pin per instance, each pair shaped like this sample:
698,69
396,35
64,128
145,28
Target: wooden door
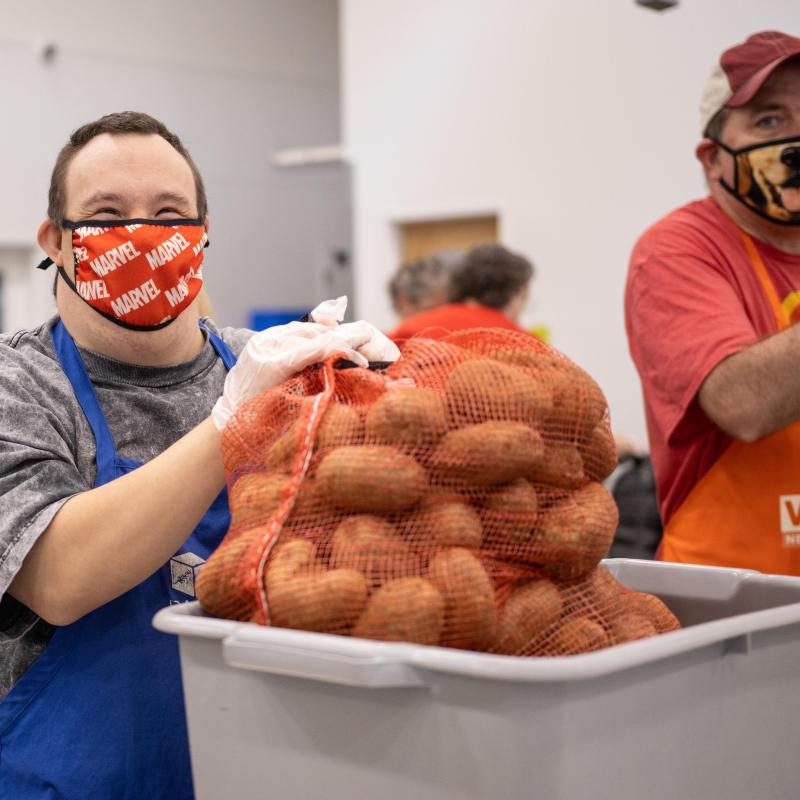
419,239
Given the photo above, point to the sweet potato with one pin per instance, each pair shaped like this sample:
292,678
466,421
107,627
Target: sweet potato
489,453
407,415
445,520
572,535
340,425
468,592
599,452
629,626
370,478
578,402
220,585
483,389
529,610
561,466
254,497
288,559
575,636
372,546
538,361
654,609
404,610
510,512
297,597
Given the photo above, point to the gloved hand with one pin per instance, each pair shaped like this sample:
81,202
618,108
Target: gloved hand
273,355
330,312
377,347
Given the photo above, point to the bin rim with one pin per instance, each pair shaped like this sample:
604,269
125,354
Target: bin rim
731,634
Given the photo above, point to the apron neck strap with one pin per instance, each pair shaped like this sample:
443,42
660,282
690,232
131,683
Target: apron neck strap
222,349
766,282
73,366
74,369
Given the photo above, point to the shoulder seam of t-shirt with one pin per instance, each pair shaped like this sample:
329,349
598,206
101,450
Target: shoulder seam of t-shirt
653,259
683,219
717,357
17,336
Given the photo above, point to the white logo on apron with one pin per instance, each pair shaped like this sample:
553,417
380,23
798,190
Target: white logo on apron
790,519
183,569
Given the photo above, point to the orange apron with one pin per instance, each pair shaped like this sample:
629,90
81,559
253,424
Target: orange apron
745,511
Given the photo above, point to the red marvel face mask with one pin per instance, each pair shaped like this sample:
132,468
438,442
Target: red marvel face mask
138,273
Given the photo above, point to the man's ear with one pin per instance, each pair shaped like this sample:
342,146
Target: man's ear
709,154
49,237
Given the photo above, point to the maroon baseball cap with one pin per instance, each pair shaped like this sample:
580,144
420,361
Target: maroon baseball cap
742,70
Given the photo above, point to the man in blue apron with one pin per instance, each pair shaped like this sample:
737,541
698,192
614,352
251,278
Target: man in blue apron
112,490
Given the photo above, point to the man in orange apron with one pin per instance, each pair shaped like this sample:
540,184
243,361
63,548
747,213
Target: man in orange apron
711,302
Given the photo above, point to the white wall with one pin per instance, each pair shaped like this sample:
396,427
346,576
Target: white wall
236,80
26,296
575,120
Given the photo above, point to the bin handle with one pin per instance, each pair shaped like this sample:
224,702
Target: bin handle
342,661
738,644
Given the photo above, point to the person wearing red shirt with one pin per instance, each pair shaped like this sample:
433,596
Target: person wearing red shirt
422,284
711,302
488,289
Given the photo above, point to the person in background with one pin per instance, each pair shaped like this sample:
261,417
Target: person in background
711,303
112,488
488,288
422,284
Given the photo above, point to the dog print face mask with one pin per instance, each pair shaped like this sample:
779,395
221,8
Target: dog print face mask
140,274
767,179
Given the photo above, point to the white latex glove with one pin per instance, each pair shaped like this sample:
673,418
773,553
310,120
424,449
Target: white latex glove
273,355
378,347
330,312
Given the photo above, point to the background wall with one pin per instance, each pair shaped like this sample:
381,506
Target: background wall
237,81
575,121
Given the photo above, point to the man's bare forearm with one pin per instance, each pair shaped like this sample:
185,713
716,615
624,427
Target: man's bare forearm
107,540
756,391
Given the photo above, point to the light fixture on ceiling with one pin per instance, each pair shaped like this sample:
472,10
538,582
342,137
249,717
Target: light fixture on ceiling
657,5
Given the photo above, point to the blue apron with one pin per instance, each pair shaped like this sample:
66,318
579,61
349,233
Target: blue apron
100,713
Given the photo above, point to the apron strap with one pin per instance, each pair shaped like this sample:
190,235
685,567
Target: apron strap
73,366
222,349
766,282
74,369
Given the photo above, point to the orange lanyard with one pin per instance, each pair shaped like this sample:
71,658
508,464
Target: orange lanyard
766,281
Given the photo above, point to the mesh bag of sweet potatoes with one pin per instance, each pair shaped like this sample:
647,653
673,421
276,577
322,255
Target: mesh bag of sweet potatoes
452,498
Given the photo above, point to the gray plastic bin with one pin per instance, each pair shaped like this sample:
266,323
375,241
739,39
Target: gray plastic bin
708,712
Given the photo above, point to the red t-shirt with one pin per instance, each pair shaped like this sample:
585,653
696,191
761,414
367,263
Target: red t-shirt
438,322
691,300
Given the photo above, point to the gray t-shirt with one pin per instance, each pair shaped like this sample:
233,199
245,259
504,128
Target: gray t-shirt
47,449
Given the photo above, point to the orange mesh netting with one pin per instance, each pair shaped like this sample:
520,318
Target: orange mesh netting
452,499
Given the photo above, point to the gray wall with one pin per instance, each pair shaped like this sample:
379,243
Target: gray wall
237,80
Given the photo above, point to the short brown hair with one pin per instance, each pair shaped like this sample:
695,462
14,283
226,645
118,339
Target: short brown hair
120,122
491,275
418,281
